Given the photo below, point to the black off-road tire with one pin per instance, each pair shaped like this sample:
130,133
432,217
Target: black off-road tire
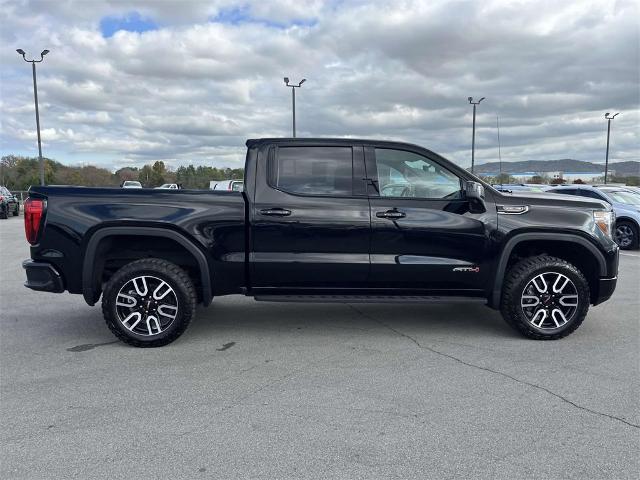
516,280
170,273
16,212
4,212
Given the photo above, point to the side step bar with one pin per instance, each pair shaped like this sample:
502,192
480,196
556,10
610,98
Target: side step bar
369,299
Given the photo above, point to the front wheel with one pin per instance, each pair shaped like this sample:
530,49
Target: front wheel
544,297
149,303
626,235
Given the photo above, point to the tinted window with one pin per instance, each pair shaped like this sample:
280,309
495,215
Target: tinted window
407,174
564,191
313,170
590,193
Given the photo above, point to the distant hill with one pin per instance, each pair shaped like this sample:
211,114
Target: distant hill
563,165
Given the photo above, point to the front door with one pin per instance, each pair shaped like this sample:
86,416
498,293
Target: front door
310,223
423,234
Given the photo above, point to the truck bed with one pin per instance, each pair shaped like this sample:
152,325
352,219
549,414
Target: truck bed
213,221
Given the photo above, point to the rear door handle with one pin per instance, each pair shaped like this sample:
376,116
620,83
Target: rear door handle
275,212
392,214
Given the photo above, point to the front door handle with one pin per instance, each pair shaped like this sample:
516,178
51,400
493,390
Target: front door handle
275,212
391,214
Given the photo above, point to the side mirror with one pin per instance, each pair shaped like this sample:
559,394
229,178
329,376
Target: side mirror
474,192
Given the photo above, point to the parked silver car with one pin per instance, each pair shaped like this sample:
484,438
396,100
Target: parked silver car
625,204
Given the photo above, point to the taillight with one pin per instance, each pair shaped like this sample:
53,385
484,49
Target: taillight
33,212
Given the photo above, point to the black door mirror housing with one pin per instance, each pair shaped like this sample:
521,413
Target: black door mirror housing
474,192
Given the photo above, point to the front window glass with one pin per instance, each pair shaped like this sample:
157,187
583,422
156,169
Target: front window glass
407,174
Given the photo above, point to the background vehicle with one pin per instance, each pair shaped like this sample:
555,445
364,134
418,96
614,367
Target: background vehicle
169,186
518,187
9,204
324,220
625,206
228,185
130,184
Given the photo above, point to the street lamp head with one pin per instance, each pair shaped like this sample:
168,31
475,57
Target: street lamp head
286,80
302,81
44,52
21,52
470,99
606,115
615,115
481,99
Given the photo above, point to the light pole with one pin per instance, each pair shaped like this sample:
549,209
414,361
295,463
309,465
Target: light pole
35,97
473,135
293,99
606,161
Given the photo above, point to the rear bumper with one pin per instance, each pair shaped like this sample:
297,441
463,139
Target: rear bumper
606,287
42,277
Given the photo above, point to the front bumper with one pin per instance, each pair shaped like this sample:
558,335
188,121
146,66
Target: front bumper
43,277
606,287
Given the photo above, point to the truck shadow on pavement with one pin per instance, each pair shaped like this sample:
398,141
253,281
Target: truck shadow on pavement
228,315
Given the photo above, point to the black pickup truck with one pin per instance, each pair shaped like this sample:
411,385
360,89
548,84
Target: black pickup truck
324,220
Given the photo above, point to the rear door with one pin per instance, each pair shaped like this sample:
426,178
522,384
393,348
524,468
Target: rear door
423,234
310,221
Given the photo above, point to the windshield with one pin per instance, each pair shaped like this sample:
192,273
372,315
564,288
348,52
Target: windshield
625,197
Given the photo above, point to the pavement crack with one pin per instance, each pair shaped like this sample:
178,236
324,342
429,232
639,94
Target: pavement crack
89,346
226,346
495,372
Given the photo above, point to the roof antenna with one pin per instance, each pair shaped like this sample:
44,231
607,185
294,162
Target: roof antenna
499,151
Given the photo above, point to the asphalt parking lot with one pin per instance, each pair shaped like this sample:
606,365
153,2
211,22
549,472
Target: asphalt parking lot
262,390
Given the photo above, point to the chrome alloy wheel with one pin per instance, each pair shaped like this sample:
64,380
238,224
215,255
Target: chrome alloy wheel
549,300
146,305
623,235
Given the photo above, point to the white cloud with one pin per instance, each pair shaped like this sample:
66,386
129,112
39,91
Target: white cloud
194,89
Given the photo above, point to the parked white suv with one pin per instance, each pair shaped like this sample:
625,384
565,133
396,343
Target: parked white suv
131,184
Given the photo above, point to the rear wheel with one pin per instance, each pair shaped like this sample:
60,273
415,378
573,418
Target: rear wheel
4,209
626,235
149,303
545,298
16,212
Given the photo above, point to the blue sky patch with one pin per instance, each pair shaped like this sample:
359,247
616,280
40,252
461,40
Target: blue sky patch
132,22
240,15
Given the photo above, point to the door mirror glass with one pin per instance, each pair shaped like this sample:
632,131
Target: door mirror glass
474,192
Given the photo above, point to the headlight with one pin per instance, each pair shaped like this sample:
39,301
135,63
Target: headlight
605,221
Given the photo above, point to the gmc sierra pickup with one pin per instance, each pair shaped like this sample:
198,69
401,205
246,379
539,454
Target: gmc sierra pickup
324,220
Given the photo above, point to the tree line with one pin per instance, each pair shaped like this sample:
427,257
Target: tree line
544,179
19,173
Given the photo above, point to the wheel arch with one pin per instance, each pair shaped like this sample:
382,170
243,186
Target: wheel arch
540,239
91,279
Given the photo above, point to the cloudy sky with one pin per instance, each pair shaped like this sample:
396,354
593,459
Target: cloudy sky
186,81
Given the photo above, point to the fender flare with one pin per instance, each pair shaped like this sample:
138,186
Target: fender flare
88,281
523,237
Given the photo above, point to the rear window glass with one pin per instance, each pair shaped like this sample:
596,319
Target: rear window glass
313,170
